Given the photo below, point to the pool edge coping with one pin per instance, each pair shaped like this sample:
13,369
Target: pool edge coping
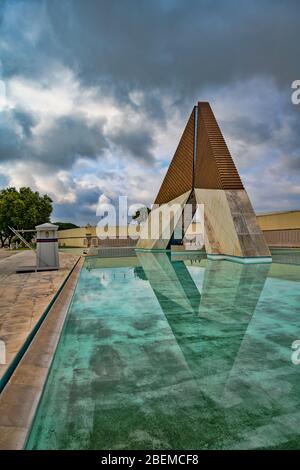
21,395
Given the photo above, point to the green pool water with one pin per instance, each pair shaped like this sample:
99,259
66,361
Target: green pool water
161,352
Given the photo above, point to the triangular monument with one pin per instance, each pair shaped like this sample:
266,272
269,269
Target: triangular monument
202,171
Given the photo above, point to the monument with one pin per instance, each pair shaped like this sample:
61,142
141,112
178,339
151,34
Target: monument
202,171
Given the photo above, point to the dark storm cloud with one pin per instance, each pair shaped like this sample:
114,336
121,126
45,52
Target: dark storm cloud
288,165
245,129
70,138
26,120
67,139
136,143
292,163
172,50
175,47
60,146
10,144
75,212
15,132
187,44
81,210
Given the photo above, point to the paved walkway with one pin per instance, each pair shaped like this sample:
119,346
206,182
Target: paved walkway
20,397
24,297
6,253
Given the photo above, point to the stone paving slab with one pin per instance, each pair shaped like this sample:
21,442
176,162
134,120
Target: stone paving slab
5,253
24,297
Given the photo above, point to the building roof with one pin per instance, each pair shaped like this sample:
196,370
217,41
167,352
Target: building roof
261,214
46,226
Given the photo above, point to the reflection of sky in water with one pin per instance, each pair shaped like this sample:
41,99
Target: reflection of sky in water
197,274
176,355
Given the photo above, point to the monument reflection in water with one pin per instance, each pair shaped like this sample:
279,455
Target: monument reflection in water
173,352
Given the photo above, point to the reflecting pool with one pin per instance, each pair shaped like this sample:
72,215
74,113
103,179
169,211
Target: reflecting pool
164,351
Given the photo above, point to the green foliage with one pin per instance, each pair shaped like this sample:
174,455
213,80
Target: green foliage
65,225
138,213
23,209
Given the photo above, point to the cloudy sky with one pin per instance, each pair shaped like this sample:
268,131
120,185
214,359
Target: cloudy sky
94,95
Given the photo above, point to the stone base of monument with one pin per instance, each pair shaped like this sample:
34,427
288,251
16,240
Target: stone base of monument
186,248
231,228
240,259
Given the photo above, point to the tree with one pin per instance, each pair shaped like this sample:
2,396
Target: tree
23,209
141,214
65,225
